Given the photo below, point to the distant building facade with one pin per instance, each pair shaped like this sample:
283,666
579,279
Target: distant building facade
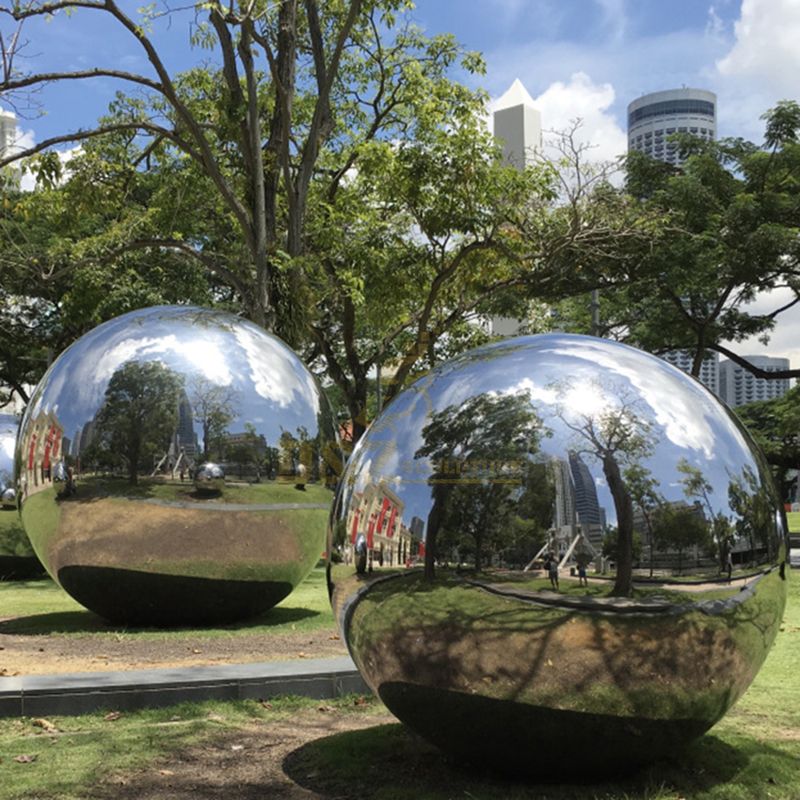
518,130
739,386
709,369
654,117
8,142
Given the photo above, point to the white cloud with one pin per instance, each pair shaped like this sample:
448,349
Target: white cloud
758,67
275,375
581,98
766,33
615,19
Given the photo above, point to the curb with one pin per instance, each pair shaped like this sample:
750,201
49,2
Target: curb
85,692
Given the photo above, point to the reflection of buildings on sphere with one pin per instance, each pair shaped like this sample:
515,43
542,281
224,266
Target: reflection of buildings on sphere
576,508
377,514
185,439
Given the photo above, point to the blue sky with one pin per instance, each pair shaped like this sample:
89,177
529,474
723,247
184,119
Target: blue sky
577,58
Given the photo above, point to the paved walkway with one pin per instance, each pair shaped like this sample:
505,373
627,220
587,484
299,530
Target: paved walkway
85,692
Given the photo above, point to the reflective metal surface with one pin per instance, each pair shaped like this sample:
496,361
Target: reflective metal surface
557,550
8,437
110,445
209,478
17,561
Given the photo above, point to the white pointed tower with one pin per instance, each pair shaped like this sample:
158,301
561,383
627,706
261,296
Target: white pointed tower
517,125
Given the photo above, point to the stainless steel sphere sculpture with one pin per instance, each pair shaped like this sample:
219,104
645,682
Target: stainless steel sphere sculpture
209,478
8,438
114,436
480,607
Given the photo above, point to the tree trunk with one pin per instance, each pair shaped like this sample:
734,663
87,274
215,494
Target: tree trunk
623,584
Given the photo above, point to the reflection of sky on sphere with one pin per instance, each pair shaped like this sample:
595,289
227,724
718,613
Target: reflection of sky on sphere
273,390
8,439
569,380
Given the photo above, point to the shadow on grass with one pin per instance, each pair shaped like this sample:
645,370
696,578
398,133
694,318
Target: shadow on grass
361,764
88,622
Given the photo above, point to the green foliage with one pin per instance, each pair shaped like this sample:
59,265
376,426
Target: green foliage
775,425
611,545
680,526
728,231
138,415
480,453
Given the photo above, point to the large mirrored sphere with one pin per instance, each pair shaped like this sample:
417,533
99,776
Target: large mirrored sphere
112,440
557,551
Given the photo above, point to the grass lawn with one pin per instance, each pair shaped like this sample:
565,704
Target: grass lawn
13,541
42,607
793,518
753,753
234,492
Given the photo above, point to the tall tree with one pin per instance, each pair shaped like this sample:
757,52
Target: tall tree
496,432
619,437
730,232
775,425
139,413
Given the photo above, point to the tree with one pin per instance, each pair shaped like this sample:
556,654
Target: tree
616,435
643,488
775,425
214,407
478,452
51,294
611,545
274,129
680,526
139,414
729,232
696,486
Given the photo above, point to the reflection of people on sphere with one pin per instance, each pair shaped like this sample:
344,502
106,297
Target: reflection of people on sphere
69,483
582,579
729,566
551,565
301,478
361,554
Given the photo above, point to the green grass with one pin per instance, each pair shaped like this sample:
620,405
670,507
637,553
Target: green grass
13,541
572,588
234,492
42,607
793,518
70,762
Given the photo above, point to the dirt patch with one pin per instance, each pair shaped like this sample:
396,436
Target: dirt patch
37,655
113,532
245,764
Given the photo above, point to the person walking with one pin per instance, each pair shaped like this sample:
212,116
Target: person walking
551,565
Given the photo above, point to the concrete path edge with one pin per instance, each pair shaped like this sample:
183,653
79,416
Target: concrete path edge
87,692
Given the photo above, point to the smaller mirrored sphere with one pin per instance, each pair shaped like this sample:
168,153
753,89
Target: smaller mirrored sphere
557,552
8,437
9,498
17,561
209,478
127,444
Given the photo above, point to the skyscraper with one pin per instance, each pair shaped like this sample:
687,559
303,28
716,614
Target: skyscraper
587,505
517,126
8,142
653,117
518,129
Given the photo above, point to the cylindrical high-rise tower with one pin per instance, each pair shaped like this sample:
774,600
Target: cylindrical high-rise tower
653,117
